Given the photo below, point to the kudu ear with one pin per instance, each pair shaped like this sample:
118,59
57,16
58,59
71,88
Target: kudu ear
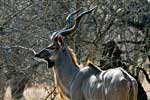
59,41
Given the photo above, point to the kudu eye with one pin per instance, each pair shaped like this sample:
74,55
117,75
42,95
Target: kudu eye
52,47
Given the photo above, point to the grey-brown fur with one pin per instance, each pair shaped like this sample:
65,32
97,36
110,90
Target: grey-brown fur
89,82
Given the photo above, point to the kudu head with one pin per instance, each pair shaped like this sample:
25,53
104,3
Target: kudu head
51,53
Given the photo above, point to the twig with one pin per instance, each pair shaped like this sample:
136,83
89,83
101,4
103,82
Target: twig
145,73
50,93
132,42
18,46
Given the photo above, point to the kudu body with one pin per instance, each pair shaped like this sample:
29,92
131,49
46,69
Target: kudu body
89,82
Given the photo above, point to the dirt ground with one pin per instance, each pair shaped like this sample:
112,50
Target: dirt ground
38,92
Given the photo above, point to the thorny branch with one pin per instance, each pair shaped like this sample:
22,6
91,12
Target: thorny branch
50,93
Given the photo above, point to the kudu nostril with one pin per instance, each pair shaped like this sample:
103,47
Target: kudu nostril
36,55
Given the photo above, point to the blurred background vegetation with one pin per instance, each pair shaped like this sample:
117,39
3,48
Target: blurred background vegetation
25,26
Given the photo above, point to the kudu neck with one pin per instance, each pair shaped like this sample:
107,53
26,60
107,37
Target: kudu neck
66,70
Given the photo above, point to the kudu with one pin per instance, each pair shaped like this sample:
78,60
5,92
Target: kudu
89,82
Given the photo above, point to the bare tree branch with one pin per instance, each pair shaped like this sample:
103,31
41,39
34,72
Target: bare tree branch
15,14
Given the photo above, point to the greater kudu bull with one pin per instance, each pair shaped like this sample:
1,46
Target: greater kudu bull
89,82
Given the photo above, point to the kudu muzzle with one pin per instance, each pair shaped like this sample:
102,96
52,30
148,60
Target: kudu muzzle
45,54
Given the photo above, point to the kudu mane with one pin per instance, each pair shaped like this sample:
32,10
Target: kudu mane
75,60
73,55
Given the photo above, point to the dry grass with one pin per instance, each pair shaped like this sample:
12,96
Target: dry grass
36,92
